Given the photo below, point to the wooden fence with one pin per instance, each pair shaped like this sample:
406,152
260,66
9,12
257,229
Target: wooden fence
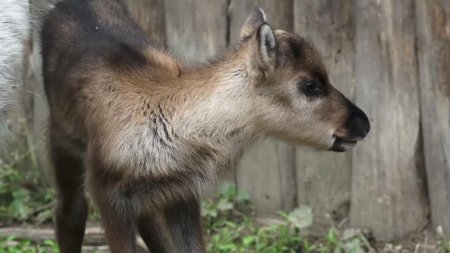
391,57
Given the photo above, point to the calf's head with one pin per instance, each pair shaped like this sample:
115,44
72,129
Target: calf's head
292,93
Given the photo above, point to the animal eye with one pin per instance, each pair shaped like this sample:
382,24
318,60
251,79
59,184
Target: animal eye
312,88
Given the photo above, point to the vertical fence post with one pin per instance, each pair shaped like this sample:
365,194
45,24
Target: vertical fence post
196,29
388,189
35,86
150,15
433,33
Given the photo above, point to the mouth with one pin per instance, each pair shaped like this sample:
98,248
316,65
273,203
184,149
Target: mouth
341,144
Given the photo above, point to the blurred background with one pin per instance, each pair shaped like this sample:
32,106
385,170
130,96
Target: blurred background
392,58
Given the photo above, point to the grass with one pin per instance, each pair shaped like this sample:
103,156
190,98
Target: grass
231,226
10,245
24,195
22,200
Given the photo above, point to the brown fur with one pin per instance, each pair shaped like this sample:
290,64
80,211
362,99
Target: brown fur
146,134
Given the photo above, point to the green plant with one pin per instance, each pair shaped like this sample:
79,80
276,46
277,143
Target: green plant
443,244
10,245
23,199
24,196
231,226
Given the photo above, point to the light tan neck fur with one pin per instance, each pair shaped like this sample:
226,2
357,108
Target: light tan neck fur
203,119
225,109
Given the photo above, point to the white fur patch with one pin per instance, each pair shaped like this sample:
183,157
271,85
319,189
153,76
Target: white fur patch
14,28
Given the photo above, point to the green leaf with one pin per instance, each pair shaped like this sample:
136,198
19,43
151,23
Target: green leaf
224,205
248,240
331,236
19,206
354,246
242,196
301,217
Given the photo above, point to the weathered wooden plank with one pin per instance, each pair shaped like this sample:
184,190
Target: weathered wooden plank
387,185
35,85
196,29
150,15
324,179
266,171
433,33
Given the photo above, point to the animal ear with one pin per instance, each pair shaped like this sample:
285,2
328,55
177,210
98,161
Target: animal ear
266,45
254,21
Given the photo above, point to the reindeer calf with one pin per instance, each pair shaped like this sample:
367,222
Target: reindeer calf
145,134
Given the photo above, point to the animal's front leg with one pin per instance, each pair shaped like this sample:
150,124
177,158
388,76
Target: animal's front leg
72,209
184,221
155,232
119,225
173,229
116,210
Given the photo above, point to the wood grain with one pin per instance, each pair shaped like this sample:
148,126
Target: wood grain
150,14
388,194
196,29
433,33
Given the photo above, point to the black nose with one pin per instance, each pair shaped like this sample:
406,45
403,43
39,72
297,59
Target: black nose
357,123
